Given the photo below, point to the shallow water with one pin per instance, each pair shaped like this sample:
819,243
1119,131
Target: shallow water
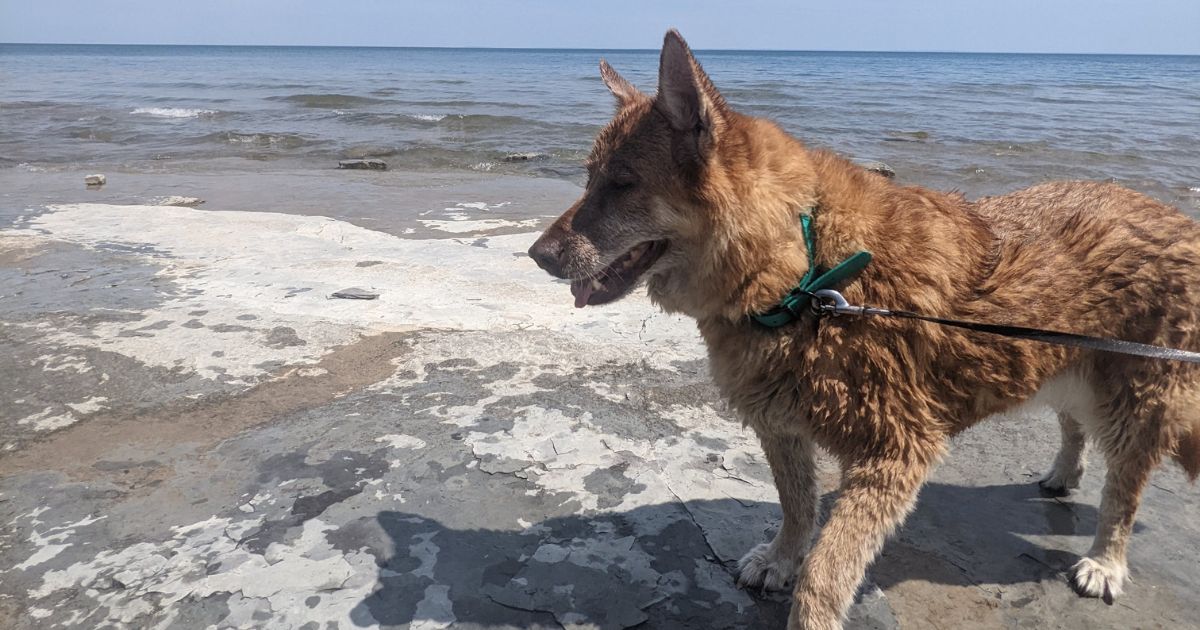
978,123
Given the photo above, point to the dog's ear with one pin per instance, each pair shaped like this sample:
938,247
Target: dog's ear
685,94
622,89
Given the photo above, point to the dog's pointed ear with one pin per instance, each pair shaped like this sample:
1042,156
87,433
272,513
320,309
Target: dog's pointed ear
622,89
685,93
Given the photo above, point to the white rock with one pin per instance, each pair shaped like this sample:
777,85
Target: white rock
95,180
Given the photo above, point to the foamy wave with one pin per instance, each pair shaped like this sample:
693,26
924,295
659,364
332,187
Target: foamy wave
174,112
429,117
461,225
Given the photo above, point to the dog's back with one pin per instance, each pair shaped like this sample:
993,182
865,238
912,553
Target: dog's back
1100,259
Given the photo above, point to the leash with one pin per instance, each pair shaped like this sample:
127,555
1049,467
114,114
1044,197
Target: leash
813,293
827,302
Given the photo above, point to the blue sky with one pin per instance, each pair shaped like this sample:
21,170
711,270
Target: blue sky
1104,26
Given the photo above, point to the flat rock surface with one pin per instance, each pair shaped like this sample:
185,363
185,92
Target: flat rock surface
192,436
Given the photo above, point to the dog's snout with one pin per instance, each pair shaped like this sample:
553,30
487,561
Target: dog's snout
547,252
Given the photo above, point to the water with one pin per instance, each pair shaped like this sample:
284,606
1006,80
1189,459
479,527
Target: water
979,123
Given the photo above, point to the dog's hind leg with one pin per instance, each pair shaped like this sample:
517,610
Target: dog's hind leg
1103,571
876,495
771,565
1069,464
1148,423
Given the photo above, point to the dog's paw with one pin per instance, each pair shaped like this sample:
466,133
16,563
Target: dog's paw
765,568
1060,483
1098,578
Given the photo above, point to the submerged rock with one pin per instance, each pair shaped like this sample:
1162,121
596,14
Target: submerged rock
95,180
370,164
875,166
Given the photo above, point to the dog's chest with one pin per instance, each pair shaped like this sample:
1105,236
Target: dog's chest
759,379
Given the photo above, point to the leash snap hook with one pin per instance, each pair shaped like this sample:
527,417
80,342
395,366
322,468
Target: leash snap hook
829,302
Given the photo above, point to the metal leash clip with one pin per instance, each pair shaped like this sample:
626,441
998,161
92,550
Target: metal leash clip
830,302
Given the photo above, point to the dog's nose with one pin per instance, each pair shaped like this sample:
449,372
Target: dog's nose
547,252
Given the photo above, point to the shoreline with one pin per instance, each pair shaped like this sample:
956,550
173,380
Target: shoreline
406,204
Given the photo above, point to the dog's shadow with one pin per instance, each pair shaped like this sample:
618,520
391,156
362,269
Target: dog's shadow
655,566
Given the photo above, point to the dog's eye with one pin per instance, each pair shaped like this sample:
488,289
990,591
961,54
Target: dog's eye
623,183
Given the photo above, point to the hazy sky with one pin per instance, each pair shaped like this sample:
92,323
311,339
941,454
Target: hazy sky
1119,26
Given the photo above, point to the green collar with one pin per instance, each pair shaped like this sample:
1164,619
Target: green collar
795,303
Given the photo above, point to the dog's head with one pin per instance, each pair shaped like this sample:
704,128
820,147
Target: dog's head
645,213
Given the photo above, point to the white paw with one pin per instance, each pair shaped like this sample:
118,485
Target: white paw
1060,483
766,568
1098,578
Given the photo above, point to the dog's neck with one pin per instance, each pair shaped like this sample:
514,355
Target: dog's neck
761,254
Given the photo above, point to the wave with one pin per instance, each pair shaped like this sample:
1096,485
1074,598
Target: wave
473,123
29,104
1009,148
363,151
906,136
326,101
97,134
175,112
261,140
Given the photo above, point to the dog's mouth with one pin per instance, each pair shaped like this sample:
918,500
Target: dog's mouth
618,277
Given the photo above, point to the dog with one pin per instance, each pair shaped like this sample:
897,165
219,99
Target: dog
707,208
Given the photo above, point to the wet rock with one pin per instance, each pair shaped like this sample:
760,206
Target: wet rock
283,337
523,157
876,166
355,293
176,200
96,180
370,164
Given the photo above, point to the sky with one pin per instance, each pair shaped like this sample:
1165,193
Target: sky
1063,26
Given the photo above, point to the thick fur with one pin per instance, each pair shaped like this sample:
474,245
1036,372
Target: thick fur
884,396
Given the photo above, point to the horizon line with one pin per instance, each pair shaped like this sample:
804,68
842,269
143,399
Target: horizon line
589,48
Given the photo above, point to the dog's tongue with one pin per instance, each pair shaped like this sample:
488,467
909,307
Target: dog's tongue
582,290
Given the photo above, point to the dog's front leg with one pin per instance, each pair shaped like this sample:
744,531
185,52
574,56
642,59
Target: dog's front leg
875,496
771,565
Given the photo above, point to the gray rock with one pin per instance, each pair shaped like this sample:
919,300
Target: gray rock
95,180
875,166
371,164
355,293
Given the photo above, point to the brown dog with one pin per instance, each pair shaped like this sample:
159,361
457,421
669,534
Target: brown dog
704,203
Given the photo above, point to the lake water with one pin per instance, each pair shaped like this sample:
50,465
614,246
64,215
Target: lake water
179,117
